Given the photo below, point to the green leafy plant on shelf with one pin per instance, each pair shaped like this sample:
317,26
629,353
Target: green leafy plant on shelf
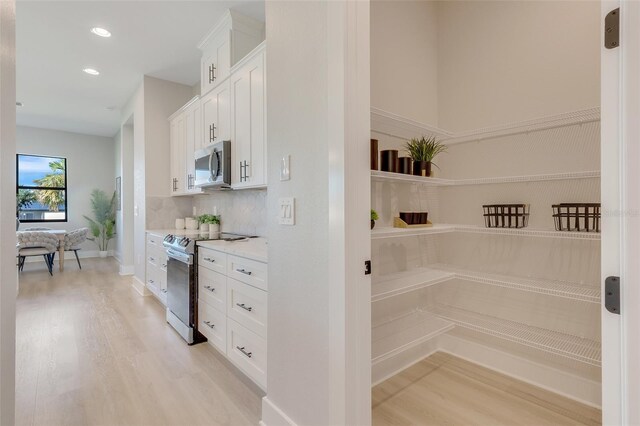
103,224
209,219
374,217
422,151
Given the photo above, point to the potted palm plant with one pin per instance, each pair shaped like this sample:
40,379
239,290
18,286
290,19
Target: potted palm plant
422,152
102,226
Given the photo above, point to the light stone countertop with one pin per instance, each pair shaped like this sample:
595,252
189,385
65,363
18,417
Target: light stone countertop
176,232
252,248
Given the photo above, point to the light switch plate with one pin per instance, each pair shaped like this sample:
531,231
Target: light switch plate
287,211
285,170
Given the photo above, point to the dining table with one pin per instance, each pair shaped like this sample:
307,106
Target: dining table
60,233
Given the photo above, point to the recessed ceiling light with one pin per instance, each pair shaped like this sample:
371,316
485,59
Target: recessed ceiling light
91,71
100,32
19,104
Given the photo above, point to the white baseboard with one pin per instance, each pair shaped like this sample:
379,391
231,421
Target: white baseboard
552,379
273,416
139,286
127,269
382,370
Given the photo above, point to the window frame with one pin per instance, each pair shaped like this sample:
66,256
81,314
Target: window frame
66,192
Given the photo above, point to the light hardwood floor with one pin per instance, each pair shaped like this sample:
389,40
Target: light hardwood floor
92,351
445,390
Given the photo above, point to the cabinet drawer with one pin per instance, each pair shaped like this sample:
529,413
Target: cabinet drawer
213,324
248,352
248,306
212,288
153,278
155,240
213,260
247,271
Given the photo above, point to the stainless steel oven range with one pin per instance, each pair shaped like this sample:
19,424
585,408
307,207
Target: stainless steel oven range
182,285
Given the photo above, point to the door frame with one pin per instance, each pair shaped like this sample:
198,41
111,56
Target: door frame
620,171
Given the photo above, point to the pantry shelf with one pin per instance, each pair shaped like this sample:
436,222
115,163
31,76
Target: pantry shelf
406,281
405,332
566,345
399,177
566,289
389,232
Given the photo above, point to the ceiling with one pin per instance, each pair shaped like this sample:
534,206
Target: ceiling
54,45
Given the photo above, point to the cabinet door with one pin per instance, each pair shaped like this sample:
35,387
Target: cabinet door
177,143
248,120
193,125
215,62
215,115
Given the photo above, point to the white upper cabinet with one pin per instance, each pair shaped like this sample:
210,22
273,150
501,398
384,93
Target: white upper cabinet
229,41
177,139
194,141
248,121
216,113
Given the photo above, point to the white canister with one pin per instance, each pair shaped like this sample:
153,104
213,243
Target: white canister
191,223
180,223
204,227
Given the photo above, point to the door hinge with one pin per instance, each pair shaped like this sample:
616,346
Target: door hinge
612,294
612,29
367,267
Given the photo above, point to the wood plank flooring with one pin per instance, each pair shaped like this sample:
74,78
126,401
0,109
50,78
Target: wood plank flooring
92,351
445,390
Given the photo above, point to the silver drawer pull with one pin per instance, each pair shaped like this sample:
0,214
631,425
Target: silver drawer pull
211,289
241,349
209,324
151,259
151,281
164,290
208,259
242,271
243,306
164,265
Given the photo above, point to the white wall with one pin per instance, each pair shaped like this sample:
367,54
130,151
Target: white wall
506,61
404,69
90,165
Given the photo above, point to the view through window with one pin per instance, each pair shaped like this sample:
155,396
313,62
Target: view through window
41,188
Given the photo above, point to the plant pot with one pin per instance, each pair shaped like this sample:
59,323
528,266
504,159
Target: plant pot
103,253
405,165
389,160
204,227
373,223
422,168
214,227
374,154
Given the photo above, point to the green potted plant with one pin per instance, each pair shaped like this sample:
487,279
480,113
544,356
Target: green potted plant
374,217
103,224
423,151
209,222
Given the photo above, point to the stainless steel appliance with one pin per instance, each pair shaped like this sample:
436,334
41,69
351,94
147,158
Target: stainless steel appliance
182,284
213,166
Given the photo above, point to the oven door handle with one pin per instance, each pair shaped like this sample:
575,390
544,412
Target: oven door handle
180,257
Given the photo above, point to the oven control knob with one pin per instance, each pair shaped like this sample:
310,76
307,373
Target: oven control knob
184,242
169,238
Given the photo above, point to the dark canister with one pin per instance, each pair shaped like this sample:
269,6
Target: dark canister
389,160
404,165
374,154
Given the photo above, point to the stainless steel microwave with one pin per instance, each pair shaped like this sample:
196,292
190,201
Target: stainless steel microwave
213,166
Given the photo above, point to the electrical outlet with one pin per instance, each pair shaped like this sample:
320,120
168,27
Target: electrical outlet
287,211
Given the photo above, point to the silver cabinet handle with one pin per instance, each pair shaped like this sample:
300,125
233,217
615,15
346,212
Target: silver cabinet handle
208,287
243,306
151,259
151,281
209,324
164,290
241,349
164,265
208,259
242,271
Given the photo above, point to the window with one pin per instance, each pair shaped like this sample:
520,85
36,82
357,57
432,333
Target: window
41,188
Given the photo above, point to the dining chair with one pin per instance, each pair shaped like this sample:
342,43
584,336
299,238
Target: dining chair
73,240
36,243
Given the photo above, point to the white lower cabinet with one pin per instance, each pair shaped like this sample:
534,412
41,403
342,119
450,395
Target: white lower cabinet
248,352
232,309
156,268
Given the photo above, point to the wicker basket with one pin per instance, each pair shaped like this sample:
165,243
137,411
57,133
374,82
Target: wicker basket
506,215
577,217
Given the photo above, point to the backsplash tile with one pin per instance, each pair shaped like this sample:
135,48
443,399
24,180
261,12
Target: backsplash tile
244,212
162,212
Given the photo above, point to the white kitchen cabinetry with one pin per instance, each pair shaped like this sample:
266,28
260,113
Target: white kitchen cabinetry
177,142
232,309
216,113
248,121
230,40
156,269
185,139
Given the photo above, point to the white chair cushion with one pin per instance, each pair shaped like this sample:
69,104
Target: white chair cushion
33,251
